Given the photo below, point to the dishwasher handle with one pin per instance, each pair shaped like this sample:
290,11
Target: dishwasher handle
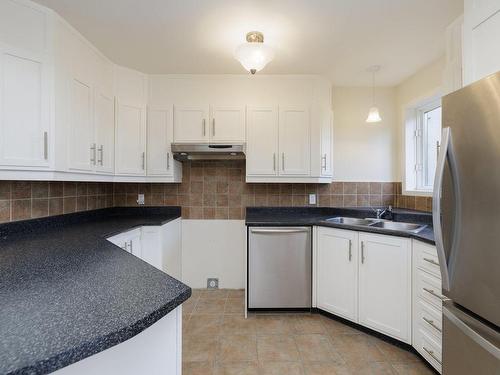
291,230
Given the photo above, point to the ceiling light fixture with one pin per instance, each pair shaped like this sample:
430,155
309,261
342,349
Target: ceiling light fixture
373,114
254,55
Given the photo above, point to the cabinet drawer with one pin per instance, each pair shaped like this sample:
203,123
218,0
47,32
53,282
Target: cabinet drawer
429,319
428,348
429,289
426,258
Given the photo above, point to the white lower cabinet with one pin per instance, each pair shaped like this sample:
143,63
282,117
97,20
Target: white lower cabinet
385,285
337,268
159,246
365,278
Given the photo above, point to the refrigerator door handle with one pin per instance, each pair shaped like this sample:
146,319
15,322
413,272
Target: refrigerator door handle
469,332
445,153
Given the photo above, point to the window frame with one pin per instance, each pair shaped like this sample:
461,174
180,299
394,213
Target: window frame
413,170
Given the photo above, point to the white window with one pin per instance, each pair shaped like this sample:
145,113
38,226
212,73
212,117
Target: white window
422,140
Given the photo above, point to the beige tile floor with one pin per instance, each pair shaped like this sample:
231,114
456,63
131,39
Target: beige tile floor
218,340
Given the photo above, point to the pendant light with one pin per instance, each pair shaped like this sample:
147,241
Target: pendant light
373,114
254,55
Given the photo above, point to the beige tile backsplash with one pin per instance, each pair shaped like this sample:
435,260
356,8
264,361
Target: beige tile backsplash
210,190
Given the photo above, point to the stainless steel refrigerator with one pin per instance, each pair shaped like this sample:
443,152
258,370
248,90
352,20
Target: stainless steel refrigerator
466,215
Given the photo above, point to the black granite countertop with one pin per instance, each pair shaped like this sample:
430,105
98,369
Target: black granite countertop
291,216
67,293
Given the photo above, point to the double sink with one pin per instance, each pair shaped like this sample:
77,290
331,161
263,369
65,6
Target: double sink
378,223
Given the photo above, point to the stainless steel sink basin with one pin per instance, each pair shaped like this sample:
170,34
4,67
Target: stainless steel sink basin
350,221
404,227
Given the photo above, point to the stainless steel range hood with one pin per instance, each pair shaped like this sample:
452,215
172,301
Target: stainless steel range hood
205,151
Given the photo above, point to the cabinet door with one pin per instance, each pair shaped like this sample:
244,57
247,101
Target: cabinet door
262,141
337,267
385,285
227,124
294,141
82,149
190,124
326,145
24,109
159,139
130,139
135,245
104,121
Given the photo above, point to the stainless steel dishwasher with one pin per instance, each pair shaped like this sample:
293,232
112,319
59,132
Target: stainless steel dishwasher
279,268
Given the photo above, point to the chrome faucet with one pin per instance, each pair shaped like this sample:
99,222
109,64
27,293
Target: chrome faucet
380,212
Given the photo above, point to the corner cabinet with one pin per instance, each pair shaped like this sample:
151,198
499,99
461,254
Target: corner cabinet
130,139
385,284
365,278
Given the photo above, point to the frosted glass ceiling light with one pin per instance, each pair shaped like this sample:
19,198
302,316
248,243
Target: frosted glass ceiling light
254,55
373,114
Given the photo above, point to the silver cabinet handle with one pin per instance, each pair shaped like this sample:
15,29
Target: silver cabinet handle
213,127
204,129
143,160
93,154
45,145
124,247
131,246
274,161
323,162
431,261
101,153
431,353
431,323
283,161
350,250
432,292
168,160
362,252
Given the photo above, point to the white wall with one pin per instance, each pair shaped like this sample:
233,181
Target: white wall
214,248
362,151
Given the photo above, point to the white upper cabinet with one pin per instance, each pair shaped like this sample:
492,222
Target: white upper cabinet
159,139
385,285
104,120
262,141
227,124
294,141
191,123
481,39
326,141
25,108
337,272
26,95
81,146
130,153
130,122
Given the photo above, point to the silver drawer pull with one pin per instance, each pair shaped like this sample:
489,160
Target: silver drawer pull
430,291
431,261
431,353
350,250
431,323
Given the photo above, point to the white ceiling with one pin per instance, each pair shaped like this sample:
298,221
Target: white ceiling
336,38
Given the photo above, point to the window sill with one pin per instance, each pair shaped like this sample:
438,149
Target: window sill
417,193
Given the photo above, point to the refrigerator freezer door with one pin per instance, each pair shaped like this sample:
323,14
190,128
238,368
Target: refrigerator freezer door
469,346
470,200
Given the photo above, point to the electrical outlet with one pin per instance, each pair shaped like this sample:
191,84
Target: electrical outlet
212,283
312,198
140,199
